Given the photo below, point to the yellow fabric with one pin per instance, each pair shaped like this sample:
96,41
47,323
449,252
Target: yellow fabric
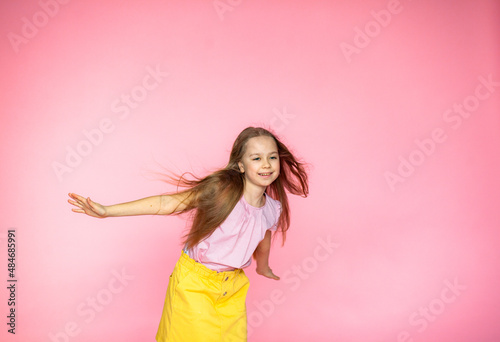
204,305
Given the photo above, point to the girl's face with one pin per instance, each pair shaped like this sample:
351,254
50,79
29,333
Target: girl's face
260,163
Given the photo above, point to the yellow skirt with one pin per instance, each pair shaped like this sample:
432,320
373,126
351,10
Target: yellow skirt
204,305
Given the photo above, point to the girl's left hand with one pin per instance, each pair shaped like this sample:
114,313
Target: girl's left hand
268,273
87,206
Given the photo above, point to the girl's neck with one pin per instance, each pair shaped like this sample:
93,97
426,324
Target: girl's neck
255,196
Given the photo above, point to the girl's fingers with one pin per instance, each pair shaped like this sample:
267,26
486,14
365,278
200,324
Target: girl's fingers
91,204
77,198
272,275
83,205
74,196
78,204
74,203
269,274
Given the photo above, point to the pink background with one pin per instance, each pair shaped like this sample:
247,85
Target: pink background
412,223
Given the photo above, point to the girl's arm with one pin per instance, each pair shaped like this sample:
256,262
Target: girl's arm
261,256
153,205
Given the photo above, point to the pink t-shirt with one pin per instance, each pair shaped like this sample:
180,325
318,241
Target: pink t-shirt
232,244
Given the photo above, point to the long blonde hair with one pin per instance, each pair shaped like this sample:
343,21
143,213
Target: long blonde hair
214,196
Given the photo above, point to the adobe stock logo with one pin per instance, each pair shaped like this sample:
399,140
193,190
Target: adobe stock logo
294,277
428,314
455,116
223,6
31,26
93,305
122,106
372,29
280,120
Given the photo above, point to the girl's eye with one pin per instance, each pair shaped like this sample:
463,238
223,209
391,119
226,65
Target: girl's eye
258,158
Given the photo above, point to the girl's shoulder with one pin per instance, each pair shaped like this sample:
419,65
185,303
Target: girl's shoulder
272,202
272,207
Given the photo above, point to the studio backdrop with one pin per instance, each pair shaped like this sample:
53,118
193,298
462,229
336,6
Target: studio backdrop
393,104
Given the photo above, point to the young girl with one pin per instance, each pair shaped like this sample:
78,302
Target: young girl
235,209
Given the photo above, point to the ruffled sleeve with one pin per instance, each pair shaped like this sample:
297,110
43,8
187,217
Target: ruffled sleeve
275,212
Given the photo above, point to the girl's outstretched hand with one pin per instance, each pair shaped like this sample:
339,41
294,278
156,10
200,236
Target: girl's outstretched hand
268,273
87,206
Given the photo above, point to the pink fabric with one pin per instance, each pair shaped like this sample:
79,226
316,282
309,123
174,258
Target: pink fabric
232,244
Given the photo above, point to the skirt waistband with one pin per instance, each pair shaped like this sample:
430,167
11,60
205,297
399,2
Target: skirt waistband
203,270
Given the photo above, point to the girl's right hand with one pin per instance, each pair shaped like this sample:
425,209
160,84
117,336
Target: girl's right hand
87,206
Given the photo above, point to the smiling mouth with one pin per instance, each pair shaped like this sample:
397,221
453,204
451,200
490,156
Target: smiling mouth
266,174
